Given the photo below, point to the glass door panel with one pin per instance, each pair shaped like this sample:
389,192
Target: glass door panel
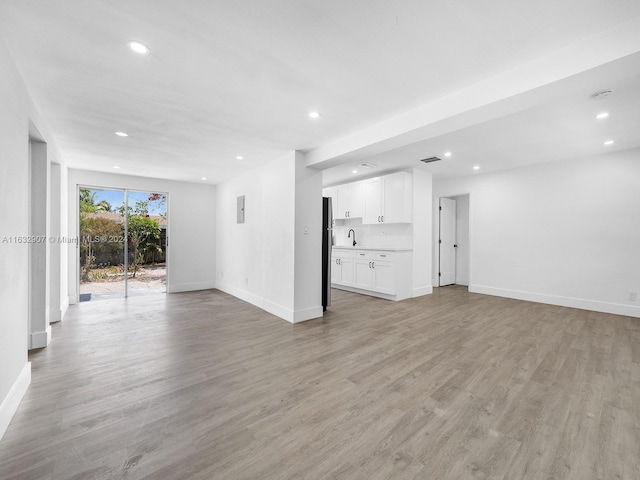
101,244
147,228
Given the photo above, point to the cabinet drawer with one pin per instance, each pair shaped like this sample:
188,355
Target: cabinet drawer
383,256
363,255
341,253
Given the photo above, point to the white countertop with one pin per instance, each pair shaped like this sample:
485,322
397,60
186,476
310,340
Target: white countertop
378,249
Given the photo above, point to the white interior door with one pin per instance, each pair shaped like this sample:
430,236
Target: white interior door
447,243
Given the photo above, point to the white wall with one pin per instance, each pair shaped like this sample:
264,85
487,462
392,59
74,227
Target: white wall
422,232
565,233
39,251
258,260
308,241
191,227
16,116
55,310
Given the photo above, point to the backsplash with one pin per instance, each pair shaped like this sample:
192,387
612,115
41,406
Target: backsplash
389,235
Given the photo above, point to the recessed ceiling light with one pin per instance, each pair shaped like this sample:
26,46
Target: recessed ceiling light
477,167
138,47
204,178
314,114
609,142
116,167
447,154
239,157
122,134
602,115
354,171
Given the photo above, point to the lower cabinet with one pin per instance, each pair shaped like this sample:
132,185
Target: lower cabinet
342,269
374,272
363,274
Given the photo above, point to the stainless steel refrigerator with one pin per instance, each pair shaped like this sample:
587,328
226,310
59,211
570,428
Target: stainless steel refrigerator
327,242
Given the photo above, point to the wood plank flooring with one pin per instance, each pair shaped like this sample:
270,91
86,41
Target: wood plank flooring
448,386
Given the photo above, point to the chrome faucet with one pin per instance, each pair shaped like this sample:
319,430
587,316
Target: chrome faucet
354,235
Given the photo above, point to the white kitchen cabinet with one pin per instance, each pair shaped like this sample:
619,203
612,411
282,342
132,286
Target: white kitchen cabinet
386,274
388,199
342,267
383,279
363,273
372,191
374,272
349,200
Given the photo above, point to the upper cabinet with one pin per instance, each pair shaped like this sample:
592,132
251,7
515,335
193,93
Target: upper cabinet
388,199
350,200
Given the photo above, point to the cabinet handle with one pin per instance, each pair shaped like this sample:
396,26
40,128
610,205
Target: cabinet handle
369,264
378,218
382,217
373,264
382,255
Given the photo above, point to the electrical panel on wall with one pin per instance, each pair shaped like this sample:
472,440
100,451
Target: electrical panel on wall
240,210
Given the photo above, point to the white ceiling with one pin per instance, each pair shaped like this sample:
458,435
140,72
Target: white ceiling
228,78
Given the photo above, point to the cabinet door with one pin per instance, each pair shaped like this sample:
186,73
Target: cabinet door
346,265
372,196
397,198
384,280
363,274
336,270
356,199
342,201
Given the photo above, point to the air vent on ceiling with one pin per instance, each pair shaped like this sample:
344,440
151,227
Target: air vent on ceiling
430,159
601,94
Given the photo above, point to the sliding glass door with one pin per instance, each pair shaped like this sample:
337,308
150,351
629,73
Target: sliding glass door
122,243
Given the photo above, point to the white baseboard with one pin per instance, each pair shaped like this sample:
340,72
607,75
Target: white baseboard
273,308
55,315
595,306
307,314
190,287
10,404
250,298
40,339
420,291
63,309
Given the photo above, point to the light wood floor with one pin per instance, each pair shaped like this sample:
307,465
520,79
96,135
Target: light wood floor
448,386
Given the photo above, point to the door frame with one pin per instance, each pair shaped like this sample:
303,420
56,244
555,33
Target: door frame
451,218
436,234
125,192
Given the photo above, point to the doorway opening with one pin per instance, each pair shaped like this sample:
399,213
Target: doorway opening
452,244
123,243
